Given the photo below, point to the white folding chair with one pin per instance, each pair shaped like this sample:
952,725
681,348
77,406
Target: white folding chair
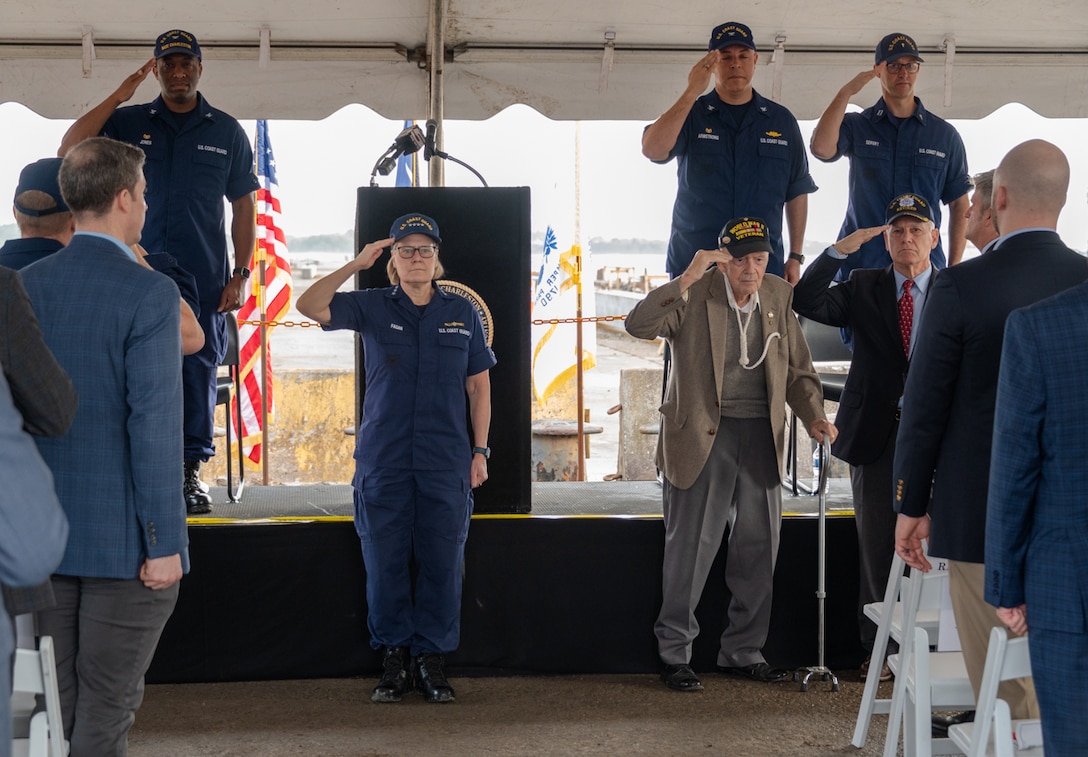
36,734
924,681
991,732
889,625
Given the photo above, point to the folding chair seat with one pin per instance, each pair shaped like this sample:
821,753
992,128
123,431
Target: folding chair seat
890,627
925,681
227,387
991,732
41,733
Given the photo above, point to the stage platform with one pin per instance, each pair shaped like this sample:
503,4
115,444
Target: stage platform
551,499
277,588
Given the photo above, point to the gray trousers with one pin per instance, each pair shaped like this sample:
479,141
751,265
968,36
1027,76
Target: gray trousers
105,632
739,489
874,516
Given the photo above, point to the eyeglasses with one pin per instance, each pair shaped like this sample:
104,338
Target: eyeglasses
425,251
911,68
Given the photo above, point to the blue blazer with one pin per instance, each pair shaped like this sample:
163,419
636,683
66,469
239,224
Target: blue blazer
948,404
113,325
1037,521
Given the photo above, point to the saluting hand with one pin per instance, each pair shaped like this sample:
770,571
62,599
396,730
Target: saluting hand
699,76
133,81
858,83
852,242
370,254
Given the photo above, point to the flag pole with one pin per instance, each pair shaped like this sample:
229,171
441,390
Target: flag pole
263,331
578,288
264,373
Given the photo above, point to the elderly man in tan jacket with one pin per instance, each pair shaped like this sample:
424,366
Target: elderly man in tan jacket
738,359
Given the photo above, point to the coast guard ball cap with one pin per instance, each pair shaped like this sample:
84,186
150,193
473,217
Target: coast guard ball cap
177,41
414,223
911,205
742,236
41,175
731,33
896,46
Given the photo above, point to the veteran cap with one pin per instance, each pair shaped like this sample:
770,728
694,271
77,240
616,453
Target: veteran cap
896,46
911,205
742,236
731,33
414,223
177,41
41,176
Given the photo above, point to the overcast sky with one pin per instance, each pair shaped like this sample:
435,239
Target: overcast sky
320,164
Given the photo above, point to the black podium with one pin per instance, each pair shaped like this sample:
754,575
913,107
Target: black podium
486,255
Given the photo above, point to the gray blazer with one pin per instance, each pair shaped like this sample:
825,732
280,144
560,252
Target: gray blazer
694,326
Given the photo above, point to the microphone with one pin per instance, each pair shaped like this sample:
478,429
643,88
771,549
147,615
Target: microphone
408,141
428,142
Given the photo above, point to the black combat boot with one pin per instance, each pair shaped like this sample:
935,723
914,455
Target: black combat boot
197,502
394,680
431,679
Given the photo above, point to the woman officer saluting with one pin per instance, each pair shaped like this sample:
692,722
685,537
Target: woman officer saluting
415,465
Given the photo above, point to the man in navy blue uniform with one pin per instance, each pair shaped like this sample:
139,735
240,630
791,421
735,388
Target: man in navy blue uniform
737,153
44,221
894,147
426,357
196,156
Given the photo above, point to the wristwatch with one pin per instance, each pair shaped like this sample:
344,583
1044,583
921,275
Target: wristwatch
243,272
798,257
485,451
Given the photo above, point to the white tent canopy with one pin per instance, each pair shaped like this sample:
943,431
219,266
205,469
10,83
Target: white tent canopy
568,59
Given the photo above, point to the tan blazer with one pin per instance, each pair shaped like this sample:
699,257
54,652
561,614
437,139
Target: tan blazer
694,326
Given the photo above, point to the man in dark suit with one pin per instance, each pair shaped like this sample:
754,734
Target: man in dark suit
739,358
114,326
1036,533
883,306
948,405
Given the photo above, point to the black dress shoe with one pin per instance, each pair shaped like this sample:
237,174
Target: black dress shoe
394,680
681,678
943,721
757,671
431,679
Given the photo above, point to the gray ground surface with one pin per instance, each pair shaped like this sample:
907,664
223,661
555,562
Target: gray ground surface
566,715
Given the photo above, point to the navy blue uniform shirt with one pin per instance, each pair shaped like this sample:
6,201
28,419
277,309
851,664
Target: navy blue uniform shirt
416,366
922,154
190,168
726,172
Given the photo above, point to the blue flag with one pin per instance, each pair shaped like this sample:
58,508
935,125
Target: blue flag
408,166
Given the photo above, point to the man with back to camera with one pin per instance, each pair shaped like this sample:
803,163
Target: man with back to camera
947,425
883,307
894,147
980,216
739,358
738,154
115,471
196,156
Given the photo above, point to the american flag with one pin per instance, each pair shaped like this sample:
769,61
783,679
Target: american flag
272,249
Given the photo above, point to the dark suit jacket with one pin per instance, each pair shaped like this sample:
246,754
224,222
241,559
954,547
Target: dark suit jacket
40,388
866,302
1037,520
114,327
694,325
948,408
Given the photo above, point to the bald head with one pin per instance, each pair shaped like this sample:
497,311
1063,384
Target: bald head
1030,186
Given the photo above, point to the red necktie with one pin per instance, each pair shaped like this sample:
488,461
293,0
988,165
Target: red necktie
906,315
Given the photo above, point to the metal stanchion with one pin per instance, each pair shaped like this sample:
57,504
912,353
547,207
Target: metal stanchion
804,675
